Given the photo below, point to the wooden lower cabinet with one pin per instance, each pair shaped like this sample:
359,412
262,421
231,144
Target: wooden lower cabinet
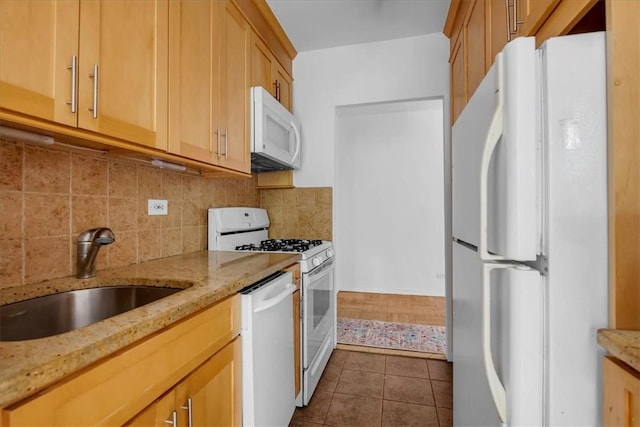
198,358
297,357
621,394
210,396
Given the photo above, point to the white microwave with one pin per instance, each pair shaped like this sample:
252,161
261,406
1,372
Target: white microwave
275,134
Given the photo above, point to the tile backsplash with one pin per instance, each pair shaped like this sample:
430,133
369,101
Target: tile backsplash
303,213
49,195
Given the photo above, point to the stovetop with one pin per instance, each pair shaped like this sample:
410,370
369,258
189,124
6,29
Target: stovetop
280,245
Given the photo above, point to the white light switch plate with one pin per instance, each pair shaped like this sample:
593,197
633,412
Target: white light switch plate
157,207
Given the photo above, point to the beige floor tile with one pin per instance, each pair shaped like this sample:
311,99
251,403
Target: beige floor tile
445,417
360,383
329,379
405,389
347,410
443,393
407,367
302,423
401,414
317,409
365,362
338,357
440,370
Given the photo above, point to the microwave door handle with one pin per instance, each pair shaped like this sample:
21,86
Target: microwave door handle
297,134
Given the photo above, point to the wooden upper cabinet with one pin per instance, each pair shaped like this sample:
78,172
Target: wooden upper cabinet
528,15
209,83
284,84
458,79
234,89
194,79
126,41
474,29
479,30
267,72
38,41
497,29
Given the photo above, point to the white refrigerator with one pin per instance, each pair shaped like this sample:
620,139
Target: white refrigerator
530,237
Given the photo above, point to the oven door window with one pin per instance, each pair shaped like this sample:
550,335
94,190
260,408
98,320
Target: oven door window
318,301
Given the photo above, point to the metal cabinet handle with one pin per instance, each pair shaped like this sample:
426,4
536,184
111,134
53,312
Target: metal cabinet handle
189,409
74,77
218,146
174,419
506,12
94,76
226,144
515,21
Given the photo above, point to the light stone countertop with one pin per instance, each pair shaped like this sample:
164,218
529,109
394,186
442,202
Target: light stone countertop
29,366
622,344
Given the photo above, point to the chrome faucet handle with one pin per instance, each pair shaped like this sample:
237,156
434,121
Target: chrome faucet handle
89,243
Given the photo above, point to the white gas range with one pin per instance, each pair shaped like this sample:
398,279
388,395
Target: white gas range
246,229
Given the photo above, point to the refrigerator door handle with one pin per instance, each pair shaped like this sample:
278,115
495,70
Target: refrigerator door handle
496,129
496,387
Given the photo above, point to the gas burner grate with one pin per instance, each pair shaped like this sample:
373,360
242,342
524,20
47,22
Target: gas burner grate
281,245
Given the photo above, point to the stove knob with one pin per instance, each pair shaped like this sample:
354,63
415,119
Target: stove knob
329,254
315,262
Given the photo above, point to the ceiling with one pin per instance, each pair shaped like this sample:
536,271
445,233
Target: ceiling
320,24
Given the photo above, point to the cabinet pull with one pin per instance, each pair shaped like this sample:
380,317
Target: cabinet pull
94,76
74,77
277,86
515,22
506,12
218,138
174,419
226,144
189,409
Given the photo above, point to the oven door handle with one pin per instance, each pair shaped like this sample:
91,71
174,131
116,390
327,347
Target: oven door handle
267,304
320,269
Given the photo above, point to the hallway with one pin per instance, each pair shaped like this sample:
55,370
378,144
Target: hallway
368,390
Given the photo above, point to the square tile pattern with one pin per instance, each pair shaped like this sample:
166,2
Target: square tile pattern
368,390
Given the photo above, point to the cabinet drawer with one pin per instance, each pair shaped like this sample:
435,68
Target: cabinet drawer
120,386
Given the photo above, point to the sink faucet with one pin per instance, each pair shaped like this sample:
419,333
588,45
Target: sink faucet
89,242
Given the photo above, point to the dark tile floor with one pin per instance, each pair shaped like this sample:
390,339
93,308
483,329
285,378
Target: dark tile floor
368,390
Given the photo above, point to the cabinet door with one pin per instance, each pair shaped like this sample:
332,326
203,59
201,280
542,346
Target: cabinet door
297,370
158,413
531,14
283,87
38,40
621,394
127,42
213,391
474,28
267,72
234,88
194,79
497,30
261,65
458,78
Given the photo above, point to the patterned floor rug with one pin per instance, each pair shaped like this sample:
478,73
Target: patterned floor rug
394,335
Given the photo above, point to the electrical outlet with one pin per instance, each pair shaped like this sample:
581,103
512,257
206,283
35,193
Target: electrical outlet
157,207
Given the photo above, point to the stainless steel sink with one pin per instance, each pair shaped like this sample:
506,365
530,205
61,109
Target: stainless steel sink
63,312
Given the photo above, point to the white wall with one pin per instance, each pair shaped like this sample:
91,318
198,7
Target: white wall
389,198
401,69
